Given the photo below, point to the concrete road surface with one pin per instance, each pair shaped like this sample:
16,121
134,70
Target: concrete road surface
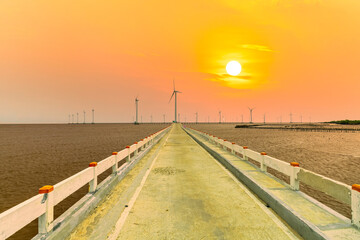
179,191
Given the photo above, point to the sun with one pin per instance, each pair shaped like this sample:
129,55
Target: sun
233,68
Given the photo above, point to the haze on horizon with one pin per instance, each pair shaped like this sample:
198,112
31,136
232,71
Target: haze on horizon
62,57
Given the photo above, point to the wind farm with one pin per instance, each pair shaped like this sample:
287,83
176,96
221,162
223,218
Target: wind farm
214,120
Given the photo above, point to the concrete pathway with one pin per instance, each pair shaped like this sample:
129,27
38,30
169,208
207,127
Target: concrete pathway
327,222
179,191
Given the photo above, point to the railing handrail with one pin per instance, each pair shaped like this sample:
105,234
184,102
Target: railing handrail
17,217
346,194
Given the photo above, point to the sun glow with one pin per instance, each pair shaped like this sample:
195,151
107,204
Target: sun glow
233,68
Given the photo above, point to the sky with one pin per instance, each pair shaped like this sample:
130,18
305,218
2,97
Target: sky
62,57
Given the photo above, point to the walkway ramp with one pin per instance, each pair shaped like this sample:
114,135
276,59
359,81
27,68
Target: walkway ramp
307,216
179,191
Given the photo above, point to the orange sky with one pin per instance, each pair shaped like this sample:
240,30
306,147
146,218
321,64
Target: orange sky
61,57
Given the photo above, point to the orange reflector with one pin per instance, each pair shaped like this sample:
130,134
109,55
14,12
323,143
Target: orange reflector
356,187
46,189
245,147
114,153
263,153
233,143
127,146
93,164
294,164
135,142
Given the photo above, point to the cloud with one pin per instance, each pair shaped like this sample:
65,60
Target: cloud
227,77
257,47
243,77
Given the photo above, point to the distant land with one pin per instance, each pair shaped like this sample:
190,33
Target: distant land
347,122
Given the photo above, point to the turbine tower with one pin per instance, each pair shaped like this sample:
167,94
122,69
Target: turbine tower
136,104
196,117
84,116
175,93
219,116
251,110
93,116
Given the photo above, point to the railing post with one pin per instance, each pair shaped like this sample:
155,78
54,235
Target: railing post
143,145
46,220
355,205
218,142
232,148
224,147
244,153
263,167
136,150
294,181
115,166
93,183
128,156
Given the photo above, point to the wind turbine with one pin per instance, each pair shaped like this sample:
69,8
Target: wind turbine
219,116
196,117
84,116
251,109
136,104
175,93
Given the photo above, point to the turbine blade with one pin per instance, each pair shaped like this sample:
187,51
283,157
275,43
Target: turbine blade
171,96
174,83
178,92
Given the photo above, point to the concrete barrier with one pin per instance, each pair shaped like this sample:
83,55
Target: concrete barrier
42,205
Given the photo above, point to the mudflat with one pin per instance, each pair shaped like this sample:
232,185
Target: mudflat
33,155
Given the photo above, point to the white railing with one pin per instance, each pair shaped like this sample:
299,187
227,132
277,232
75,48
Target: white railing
42,205
346,194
